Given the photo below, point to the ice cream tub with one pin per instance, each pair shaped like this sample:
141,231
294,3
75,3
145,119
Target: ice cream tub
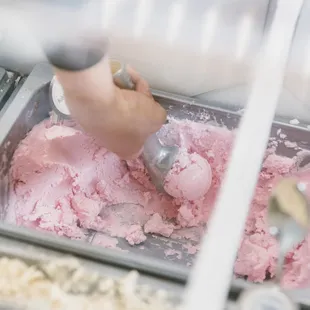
158,254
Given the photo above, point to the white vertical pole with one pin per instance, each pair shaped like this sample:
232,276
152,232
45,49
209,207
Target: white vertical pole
210,279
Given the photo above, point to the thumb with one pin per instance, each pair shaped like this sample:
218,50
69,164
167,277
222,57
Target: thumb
141,84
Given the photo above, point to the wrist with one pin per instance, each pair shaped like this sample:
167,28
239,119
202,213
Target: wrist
92,88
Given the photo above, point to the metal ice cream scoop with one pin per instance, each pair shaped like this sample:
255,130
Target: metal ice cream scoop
289,217
158,158
289,220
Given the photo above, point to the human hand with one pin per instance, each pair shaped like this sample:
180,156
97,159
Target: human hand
121,120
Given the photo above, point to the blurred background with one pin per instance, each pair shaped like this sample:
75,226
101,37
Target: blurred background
206,49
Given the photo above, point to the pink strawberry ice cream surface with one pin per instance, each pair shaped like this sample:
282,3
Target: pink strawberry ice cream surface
61,180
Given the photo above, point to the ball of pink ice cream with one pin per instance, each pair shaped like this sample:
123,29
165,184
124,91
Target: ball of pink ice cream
190,177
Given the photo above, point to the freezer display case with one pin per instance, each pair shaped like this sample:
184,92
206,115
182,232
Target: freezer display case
200,62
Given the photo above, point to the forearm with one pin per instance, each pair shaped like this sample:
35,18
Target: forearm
143,111
90,89
82,68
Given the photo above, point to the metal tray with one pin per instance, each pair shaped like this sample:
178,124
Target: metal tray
29,105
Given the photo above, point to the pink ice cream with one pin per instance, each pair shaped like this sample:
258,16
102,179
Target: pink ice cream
190,177
61,180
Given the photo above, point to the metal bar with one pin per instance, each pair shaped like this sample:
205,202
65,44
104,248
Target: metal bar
212,273
145,265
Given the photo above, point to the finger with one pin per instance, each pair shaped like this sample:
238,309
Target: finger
141,84
134,74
